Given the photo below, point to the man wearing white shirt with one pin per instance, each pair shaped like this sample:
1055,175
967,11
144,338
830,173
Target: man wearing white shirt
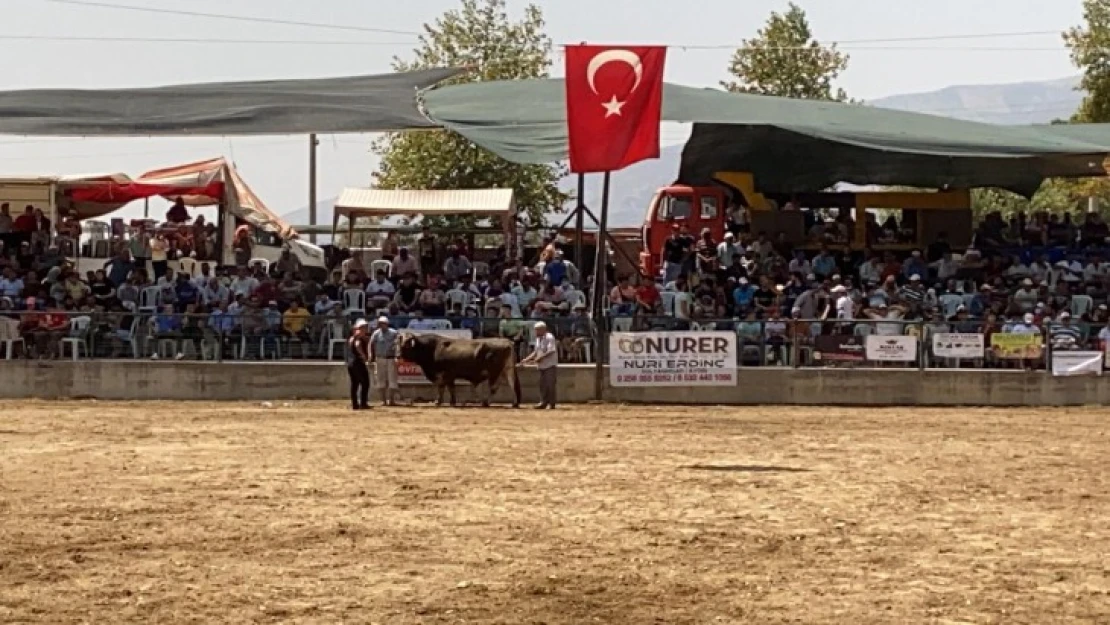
380,291
418,322
945,267
799,264
213,293
545,356
845,306
871,271
727,249
244,284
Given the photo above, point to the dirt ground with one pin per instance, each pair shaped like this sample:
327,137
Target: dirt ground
308,513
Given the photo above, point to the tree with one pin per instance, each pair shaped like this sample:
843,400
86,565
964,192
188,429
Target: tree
1090,51
480,36
785,60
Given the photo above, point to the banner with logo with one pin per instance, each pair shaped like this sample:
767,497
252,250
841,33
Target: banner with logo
958,345
836,348
672,358
894,348
1028,346
410,373
1066,363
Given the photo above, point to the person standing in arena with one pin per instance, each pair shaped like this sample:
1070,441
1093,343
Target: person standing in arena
357,361
383,351
546,358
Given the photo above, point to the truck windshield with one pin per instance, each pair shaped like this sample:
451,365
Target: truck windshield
675,207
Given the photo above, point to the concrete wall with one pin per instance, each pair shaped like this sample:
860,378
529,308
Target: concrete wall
139,380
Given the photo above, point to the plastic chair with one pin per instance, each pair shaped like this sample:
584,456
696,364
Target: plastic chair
441,324
188,266
667,299
1080,304
150,299
78,337
381,265
336,332
622,324
260,261
462,298
99,244
354,302
480,269
575,297
8,345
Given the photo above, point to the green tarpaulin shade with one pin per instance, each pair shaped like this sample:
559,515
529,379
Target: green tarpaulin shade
789,145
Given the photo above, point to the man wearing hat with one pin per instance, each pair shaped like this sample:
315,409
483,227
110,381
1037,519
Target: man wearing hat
546,358
357,359
383,351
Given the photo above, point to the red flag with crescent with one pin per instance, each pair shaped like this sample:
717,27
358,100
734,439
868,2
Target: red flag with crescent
614,105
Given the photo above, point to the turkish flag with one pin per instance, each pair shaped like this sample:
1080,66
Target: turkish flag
614,105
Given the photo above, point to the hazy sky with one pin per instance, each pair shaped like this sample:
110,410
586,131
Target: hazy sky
276,166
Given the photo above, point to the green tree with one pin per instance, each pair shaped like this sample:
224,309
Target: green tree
1090,51
481,36
785,60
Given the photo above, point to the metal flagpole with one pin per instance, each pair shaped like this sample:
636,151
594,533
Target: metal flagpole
600,261
312,143
579,223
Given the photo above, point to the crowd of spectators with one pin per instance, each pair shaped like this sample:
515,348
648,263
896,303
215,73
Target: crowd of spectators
138,298
1042,275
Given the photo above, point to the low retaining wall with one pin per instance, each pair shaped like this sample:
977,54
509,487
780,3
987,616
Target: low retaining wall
148,380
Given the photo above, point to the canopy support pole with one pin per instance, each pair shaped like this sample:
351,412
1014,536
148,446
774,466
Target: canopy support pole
599,289
312,143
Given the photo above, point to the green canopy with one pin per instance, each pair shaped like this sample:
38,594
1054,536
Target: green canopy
789,145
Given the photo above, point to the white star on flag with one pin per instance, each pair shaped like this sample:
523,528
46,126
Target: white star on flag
613,106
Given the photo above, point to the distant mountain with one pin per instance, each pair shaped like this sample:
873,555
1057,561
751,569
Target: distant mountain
1016,103
633,188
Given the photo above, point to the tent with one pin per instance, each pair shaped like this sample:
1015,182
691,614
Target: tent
790,145
376,103
204,183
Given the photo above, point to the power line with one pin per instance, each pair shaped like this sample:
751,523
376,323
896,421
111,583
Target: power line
207,41
841,42
239,18
302,42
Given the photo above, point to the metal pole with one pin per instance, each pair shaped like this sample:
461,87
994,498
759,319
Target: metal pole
312,143
579,223
146,208
600,260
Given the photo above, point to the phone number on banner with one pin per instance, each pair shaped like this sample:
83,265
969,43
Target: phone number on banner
701,379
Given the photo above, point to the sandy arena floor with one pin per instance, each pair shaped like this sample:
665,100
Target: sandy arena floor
234,513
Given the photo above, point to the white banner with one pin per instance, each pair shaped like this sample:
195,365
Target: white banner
895,348
410,373
958,345
1076,363
672,358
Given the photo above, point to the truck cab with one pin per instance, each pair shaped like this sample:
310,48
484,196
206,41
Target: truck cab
695,207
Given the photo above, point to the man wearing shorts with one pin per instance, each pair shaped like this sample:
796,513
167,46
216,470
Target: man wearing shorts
383,351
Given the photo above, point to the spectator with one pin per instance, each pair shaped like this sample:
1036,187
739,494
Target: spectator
1064,335
405,264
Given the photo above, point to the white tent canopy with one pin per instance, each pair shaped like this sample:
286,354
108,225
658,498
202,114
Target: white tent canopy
354,203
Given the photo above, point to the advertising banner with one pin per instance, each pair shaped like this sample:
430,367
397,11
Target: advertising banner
410,373
895,348
1017,345
835,348
956,345
1067,363
672,358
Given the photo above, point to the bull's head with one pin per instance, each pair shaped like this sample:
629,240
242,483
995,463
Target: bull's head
407,344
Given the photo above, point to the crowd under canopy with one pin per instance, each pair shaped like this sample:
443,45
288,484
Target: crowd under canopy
789,145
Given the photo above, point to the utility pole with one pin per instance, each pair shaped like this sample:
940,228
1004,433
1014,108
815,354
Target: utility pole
312,143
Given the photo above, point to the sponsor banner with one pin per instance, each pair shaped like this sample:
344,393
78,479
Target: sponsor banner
958,345
672,358
835,348
1076,363
410,373
894,348
1028,346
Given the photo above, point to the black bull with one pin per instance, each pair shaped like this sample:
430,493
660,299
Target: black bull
444,360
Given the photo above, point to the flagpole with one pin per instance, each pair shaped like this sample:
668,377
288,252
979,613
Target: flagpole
599,312
580,210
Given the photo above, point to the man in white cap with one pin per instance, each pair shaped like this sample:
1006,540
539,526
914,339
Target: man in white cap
383,351
357,363
546,358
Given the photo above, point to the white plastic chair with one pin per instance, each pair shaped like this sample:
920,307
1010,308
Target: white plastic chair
573,298
480,269
8,345
622,324
137,323
667,299
441,324
460,297
336,332
99,244
150,299
78,337
188,266
260,261
381,265
354,301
